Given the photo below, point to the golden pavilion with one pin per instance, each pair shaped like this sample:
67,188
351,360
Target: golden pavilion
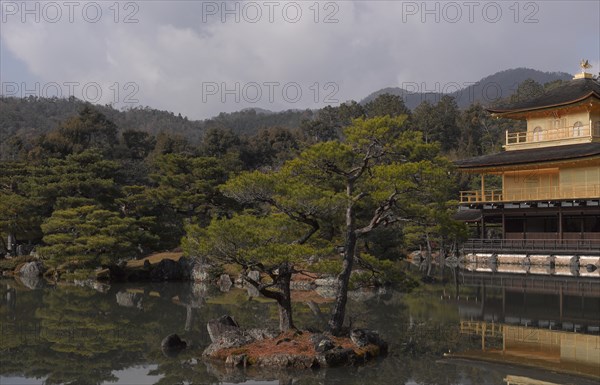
547,179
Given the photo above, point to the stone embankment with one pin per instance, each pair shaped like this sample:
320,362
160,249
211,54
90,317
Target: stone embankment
568,265
168,266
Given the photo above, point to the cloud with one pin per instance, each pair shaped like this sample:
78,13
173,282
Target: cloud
202,58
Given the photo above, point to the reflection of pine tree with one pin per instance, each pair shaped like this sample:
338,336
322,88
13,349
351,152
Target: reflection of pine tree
86,340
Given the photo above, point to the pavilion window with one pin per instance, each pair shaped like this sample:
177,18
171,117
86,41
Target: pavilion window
577,129
597,128
538,135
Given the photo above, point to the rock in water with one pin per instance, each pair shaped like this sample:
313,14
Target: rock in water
224,283
33,283
237,360
321,343
337,356
200,272
32,269
364,337
254,275
225,333
233,338
217,327
359,337
167,270
171,345
128,299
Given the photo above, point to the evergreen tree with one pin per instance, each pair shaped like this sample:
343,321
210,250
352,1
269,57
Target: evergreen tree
87,236
377,177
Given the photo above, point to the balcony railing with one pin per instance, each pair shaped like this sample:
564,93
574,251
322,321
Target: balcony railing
574,191
547,135
554,246
478,196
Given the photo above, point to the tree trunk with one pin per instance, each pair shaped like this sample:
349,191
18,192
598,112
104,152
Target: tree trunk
285,315
442,259
189,318
314,307
339,310
282,296
442,256
284,303
11,245
429,252
456,282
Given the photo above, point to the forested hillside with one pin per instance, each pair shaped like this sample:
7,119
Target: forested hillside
23,120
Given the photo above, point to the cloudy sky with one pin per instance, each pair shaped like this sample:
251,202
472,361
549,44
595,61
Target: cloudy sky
199,58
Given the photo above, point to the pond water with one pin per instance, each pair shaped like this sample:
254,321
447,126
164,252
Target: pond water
496,328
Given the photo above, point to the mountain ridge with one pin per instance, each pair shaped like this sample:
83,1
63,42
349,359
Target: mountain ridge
486,91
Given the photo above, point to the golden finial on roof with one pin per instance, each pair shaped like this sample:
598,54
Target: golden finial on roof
584,64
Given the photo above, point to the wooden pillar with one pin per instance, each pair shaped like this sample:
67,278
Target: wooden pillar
560,223
482,187
560,303
503,225
483,221
483,292
503,304
483,330
482,227
524,301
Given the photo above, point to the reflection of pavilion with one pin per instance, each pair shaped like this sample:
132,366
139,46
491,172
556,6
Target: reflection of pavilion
566,303
520,380
542,321
556,349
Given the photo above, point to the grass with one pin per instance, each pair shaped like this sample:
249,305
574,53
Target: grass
79,274
154,259
234,297
309,295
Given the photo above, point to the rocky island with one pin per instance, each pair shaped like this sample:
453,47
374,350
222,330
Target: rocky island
235,346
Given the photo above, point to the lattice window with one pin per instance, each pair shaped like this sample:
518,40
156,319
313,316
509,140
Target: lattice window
538,134
577,129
